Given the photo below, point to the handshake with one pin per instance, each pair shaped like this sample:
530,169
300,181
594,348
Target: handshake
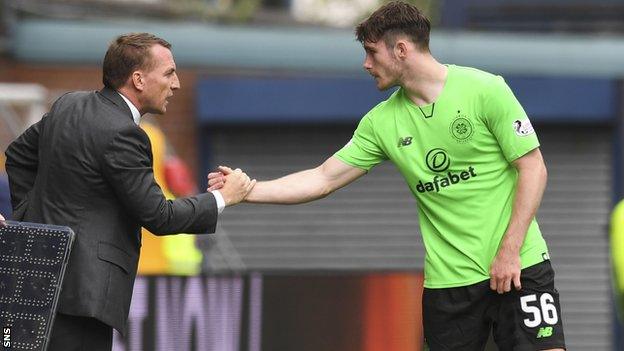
234,185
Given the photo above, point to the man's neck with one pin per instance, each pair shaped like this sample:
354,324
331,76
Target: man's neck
132,97
136,114
424,81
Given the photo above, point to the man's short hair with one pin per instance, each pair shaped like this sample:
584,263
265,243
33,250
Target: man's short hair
392,19
126,54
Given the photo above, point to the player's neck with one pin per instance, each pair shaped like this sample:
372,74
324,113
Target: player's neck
424,81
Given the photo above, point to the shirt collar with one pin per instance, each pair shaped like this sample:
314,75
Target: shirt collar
136,115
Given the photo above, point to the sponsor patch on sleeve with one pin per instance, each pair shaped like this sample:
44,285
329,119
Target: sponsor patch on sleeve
523,127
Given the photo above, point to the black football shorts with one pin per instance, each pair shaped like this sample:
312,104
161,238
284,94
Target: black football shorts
530,319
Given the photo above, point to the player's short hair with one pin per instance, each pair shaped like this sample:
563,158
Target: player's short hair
126,54
392,19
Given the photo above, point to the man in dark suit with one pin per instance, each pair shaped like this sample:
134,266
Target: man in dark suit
88,165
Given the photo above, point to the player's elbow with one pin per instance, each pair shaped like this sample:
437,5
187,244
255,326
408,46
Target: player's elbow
326,187
325,190
540,167
324,184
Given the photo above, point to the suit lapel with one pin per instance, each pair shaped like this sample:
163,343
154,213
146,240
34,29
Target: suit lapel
116,99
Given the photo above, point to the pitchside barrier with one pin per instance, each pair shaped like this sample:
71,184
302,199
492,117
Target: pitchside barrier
33,258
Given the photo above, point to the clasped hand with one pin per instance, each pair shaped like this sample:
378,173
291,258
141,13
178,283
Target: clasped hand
234,185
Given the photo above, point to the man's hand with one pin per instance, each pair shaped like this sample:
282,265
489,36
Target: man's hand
235,185
216,180
505,270
2,223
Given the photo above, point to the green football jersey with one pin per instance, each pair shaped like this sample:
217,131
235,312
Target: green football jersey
455,155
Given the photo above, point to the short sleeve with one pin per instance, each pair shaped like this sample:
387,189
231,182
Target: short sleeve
363,150
507,120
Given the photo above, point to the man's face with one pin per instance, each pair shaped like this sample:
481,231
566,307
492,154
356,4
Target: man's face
160,80
381,63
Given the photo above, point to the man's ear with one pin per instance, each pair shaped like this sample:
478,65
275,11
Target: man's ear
138,81
400,49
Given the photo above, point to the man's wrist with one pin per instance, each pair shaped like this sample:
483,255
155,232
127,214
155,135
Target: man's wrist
510,248
219,199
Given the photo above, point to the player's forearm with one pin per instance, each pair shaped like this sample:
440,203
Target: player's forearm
295,188
532,177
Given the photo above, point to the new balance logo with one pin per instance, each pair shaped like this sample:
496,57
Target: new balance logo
405,141
544,332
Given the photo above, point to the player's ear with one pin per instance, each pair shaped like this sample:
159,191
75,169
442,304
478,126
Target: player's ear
400,49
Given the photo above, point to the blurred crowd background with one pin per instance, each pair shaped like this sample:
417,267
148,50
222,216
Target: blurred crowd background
275,86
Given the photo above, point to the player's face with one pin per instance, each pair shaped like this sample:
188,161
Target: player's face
160,81
381,63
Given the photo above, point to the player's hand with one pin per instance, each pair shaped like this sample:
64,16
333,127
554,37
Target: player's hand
2,222
505,271
216,180
236,185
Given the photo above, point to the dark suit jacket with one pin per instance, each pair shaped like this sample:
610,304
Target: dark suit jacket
86,165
